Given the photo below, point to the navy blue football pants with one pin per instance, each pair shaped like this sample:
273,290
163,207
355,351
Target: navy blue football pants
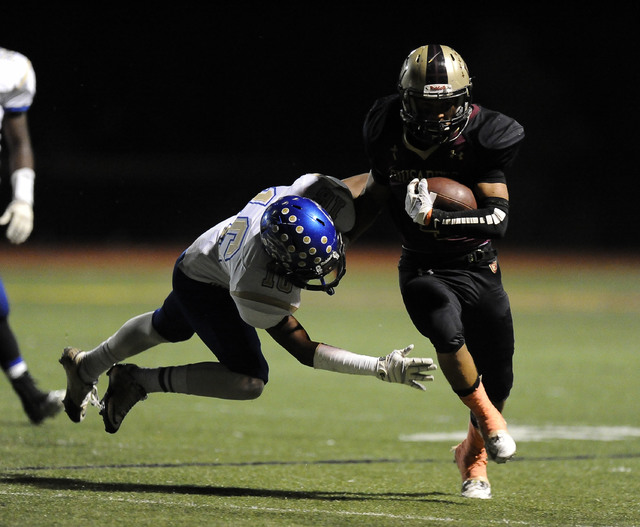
209,311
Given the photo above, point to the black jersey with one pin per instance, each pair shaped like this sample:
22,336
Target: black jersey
481,153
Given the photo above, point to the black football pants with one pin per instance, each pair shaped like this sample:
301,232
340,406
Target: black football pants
469,305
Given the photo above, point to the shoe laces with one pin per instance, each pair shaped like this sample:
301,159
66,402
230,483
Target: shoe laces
92,398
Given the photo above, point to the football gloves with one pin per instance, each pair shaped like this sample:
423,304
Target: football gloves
396,367
418,202
19,216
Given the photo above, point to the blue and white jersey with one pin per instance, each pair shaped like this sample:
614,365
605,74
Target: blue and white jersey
17,82
231,254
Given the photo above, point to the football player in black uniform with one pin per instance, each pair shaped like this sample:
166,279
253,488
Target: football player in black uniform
449,274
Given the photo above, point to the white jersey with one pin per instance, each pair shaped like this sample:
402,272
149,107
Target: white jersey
231,254
17,82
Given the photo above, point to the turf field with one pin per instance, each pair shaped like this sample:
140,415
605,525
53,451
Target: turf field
322,449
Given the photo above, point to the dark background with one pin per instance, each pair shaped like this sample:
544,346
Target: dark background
151,124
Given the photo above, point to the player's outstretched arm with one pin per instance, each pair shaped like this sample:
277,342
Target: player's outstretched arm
395,367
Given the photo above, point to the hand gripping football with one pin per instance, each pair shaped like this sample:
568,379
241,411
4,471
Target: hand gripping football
450,195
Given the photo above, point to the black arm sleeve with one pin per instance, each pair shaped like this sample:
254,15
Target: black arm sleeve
490,221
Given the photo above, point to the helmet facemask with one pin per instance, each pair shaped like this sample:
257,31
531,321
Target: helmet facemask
435,120
324,277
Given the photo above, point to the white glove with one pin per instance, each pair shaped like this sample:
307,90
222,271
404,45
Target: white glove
19,216
418,202
396,367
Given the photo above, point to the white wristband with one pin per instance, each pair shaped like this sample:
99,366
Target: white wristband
22,181
343,361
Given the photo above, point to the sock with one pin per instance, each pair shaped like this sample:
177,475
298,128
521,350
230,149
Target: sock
474,437
206,379
471,457
489,419
164,379
16,369
135,336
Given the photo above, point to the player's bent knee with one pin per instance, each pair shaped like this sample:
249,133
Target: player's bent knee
449,345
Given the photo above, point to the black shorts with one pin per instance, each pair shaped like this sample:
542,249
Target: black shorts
209,311
457,301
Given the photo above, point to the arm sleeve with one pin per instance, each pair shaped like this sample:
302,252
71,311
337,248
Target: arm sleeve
338,360
491,218
290,334
489,221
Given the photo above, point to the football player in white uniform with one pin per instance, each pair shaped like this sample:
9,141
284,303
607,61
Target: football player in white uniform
246,272
17,89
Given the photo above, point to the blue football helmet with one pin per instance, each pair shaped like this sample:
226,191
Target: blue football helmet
302,240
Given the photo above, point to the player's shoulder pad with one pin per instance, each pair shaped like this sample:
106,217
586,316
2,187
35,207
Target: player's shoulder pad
333,196
17,76
495,130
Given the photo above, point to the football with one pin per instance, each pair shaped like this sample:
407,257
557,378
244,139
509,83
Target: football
450,195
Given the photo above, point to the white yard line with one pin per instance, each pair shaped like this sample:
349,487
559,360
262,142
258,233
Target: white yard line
524,433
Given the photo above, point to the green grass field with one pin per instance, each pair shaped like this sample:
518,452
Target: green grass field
322,449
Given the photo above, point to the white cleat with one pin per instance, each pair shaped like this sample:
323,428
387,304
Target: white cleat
500,446
479,489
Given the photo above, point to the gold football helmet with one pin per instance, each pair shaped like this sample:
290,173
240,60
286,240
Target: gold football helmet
435,88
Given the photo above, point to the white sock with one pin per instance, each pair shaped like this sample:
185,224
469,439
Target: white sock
135,336
206,379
